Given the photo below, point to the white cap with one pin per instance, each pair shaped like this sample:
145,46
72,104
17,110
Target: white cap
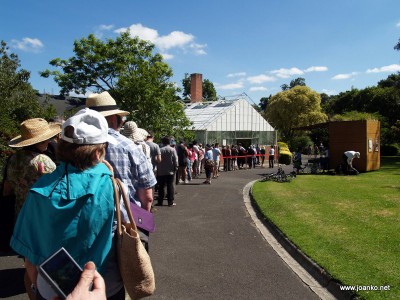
90,127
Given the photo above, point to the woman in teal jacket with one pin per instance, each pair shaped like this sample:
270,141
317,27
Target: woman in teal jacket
73,207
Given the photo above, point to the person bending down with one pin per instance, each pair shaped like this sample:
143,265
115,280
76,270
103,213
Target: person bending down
348,157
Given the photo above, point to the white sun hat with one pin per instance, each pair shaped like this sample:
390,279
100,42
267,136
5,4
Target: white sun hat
90,127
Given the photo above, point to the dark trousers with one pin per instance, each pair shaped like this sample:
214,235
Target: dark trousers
271,161
166,180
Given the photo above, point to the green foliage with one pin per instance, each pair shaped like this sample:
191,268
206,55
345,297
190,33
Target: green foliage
295,82
264,102
300,141
390,150
393,80
138,79
382,102
283,145
209,92
296,107
285,156
17,97
356,115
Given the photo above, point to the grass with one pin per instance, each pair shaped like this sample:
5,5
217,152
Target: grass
349,225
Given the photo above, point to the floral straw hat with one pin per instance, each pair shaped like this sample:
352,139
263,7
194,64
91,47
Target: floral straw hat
134,133
104,104
34,131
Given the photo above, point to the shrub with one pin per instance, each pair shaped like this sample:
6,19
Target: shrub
285,156
301,141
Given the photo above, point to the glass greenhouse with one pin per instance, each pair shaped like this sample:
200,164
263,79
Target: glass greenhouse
229,122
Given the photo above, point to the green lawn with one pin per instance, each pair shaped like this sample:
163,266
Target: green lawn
349,225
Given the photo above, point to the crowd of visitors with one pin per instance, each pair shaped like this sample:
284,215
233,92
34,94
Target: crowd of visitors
61,178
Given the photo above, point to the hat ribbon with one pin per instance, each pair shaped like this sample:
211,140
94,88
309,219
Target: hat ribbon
104,107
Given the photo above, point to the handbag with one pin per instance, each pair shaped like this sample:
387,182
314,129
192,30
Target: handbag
133,260
143,218
209,164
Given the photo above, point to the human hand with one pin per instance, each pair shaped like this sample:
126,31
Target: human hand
81,290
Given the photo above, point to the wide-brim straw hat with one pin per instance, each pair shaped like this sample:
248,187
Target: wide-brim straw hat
34,131
104,104
133,132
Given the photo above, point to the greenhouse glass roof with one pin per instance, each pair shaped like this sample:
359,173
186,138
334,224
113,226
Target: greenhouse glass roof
226,115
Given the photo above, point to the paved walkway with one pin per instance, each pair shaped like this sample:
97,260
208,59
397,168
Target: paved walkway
206,247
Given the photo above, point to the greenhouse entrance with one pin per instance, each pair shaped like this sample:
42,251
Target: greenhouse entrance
245,142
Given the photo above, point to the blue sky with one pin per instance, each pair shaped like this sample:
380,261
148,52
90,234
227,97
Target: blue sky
250,47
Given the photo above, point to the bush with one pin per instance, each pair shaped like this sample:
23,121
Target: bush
390,150
285,156
301,141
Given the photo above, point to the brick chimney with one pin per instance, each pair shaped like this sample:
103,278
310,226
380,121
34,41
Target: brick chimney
196,87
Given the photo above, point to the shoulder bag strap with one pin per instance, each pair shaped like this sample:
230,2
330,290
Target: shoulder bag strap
119,190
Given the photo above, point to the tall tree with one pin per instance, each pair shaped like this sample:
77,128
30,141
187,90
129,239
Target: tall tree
137,78
17,97
393,80
397,46
209,92
264,102
295,82
296,107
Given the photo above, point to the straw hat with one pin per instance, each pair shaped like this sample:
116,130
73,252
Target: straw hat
134,133
104,104
34,131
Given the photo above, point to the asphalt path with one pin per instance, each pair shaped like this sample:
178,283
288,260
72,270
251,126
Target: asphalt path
208,247
205,247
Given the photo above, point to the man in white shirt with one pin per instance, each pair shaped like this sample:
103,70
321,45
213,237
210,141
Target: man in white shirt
348,157
271,157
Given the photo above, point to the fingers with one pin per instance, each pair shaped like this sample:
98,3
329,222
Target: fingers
98,283
87,277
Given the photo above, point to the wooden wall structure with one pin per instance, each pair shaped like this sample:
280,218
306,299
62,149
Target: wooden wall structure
362,136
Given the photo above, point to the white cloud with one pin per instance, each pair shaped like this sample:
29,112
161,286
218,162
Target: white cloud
167,56
175,39
286,73
106,27
98,32
238,74
329,92
28,45
398,24
316,69
231,86
385,69
344,76
260,79
198,49
258,89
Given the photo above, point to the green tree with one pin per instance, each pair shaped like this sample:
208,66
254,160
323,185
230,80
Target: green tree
17,97
397,46
393,80
295,82
132,73
209,92
296,107
264,102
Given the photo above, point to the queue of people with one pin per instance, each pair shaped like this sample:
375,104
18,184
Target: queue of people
64,195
